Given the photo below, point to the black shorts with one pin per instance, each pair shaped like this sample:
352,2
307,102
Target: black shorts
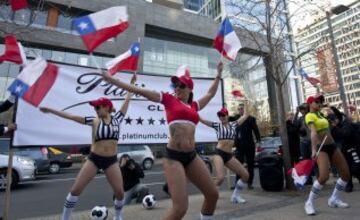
185,158
102,162
225,156
329,149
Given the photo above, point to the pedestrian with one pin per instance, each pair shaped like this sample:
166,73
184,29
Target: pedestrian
103,153
132,173
244,142
6,129
293,137
225,132
329,154
8,103
304,133
348,138
181,161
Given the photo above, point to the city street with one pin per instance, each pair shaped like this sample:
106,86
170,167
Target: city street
46,195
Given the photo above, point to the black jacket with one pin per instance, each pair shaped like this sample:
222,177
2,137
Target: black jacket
131,177
2,130
244,133
345,133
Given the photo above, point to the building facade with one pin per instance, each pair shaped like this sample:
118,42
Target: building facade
319,61
171,33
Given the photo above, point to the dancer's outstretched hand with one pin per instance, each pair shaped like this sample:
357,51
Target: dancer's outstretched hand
45,109
133,78
106,76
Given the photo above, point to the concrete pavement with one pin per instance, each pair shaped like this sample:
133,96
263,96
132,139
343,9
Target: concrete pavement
260,205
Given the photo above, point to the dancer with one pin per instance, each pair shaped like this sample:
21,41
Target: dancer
181,161
329,153
103,154
225,132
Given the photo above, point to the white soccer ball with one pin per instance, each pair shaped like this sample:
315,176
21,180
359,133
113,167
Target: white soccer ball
149,201
99,213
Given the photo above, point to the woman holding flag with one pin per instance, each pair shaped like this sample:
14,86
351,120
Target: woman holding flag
225,132
327,153
103,155
181,161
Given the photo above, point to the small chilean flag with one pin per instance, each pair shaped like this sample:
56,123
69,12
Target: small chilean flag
34,81
98,27
18,4
312,80
301,172
126,61
226,41
14,51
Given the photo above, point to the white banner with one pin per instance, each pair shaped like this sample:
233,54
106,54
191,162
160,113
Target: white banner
145,121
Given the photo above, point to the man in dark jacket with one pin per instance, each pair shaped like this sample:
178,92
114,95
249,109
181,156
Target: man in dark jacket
132,172
244,142
345,135
5,129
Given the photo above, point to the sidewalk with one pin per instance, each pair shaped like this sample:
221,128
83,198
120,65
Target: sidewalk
260,205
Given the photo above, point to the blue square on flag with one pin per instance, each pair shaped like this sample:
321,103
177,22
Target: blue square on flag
18,88
135,49
84,25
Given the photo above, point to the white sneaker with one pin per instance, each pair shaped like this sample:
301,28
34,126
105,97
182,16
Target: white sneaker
237,200
309,208
337,203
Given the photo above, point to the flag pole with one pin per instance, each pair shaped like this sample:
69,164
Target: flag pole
96,63
9,170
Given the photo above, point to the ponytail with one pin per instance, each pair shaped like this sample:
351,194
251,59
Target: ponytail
190,99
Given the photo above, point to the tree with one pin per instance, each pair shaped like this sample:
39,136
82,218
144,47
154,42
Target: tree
265,23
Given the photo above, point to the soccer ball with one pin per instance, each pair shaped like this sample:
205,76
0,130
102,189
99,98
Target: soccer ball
99,213
149,201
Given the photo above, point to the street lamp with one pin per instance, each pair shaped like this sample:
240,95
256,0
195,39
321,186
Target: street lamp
337,10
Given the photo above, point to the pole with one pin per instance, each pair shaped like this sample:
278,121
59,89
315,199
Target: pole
337,64
9,172
293,51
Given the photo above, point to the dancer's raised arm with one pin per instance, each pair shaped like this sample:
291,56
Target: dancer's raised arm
62,114
125,105
213,88
149,94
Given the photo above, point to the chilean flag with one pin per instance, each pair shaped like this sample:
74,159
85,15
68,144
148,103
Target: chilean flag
301,172
226,41
14,51
34,81
98,27
18,4
312,80
126,61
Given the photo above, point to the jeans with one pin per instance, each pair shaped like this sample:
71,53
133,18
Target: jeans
137,192
305,149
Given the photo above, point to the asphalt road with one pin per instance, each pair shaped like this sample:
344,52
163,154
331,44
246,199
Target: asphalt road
45,195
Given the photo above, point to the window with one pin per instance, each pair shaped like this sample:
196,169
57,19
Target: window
137,148
40,17
23,16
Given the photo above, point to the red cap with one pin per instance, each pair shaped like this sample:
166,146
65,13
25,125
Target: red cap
185,79
183,75
223,111
102,101
315,98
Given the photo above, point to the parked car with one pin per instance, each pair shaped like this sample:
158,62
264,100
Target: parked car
23,169
142,154
58,159
268,144
37,153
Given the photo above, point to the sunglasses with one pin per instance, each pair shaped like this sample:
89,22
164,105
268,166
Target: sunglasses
180,85
97,107
221,115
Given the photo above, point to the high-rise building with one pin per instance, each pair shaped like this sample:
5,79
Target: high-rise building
318,60
172,33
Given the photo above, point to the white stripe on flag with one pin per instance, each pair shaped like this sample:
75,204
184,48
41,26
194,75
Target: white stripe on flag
116,60
33,71
109,17
232,44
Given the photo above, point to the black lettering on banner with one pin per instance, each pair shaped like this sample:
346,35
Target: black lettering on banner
158,108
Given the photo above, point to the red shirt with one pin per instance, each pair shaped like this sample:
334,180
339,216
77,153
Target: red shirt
178,111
